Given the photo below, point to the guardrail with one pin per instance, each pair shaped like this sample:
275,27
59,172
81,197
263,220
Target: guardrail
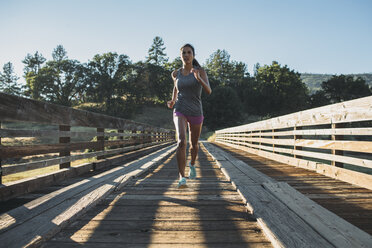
129,135
334,140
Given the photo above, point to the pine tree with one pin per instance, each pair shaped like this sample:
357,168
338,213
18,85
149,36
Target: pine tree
156,52
8,80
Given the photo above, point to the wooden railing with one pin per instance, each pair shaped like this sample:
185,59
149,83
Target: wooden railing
334,140
129,135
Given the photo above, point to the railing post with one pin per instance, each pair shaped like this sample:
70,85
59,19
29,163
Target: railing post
101,142
334,138
134,138
64,140
121,138
296,137
273,137
259,143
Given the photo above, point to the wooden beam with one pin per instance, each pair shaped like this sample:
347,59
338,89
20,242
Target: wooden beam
64,140
101,142
15,168
313,132
297,137
338,152
348,111
353,177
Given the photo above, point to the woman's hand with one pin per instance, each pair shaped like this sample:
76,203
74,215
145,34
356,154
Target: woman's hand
202,78
196,74
171,104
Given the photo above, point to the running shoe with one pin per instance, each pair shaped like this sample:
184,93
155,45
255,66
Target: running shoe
192,171
182,183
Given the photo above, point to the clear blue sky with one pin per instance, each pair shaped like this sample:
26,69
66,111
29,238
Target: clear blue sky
317,36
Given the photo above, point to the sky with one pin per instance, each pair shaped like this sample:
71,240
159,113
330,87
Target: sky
309,36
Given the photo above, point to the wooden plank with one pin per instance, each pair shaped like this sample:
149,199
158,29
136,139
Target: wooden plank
348,111
12,133
162,225
235,169
353,177
15,108
42,222
338,158
312,132
344,145
126,238
336,230
283,227
21,151
64,153
72,244
11,169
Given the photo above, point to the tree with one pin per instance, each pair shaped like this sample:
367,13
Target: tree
218,67
33,62
222,108
174,65
8,80
58,81
343,88
281,90
59,53
156,54
109,77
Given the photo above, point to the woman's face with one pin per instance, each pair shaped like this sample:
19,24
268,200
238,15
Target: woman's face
186,55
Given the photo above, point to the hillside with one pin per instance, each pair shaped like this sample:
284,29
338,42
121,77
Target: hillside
314,81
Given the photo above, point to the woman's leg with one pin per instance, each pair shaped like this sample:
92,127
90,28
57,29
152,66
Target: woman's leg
180,123
195,130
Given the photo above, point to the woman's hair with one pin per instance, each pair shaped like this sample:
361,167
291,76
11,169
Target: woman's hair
195,63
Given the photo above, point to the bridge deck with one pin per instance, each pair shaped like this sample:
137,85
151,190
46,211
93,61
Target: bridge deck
151,210
352,203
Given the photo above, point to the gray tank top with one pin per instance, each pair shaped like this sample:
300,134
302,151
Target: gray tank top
189,95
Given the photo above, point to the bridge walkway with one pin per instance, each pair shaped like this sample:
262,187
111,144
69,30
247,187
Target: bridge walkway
151,212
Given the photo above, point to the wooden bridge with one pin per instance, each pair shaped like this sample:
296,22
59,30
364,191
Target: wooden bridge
300,180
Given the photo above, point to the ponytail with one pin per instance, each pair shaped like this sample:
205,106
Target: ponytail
196,64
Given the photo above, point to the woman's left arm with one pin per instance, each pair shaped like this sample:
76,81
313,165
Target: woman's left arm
202,78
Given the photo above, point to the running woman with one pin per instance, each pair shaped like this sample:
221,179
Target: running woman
186,100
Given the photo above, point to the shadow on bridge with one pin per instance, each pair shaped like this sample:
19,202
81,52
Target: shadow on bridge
151,210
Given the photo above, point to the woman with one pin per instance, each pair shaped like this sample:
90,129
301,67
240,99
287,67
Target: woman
186,100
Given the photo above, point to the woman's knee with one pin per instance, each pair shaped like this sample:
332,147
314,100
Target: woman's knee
181,143
194,145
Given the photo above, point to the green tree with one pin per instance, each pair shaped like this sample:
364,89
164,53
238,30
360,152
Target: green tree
156,53
222,108
8,80
58,81
33,63
219,68
281,90
174,65
109,77
318,99
342,88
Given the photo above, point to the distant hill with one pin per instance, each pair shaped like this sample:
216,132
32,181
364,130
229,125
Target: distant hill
314,81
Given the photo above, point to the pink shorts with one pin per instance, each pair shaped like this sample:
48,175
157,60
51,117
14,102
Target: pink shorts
193,120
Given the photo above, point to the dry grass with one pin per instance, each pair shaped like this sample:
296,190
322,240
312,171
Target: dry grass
42,171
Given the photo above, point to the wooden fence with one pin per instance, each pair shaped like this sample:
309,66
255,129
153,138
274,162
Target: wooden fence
334,140
129,135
